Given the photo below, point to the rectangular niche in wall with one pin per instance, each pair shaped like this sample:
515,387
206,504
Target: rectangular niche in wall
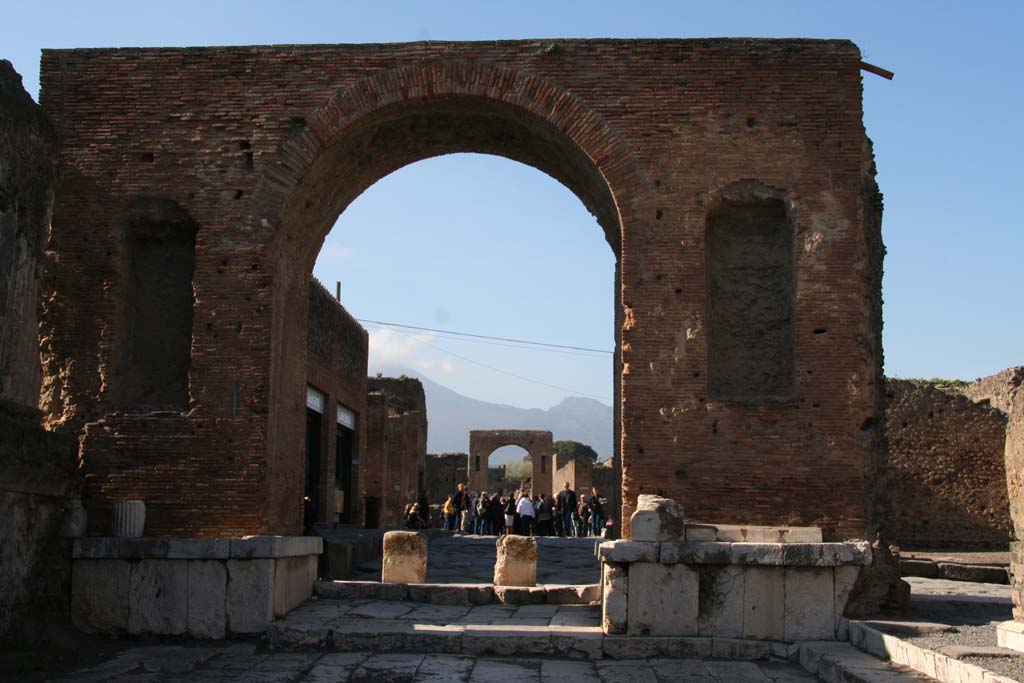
159,253
750,290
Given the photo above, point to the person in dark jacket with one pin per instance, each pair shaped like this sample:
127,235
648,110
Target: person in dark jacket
495,515
596,511
565,503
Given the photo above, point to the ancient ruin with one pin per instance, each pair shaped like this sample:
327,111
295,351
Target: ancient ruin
233,196
537,444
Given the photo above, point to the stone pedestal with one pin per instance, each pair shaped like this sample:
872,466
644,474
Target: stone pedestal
405,557
203,587
516,563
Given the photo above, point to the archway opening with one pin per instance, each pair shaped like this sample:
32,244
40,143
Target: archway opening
361,154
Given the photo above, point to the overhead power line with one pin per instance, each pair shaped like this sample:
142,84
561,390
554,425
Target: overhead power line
491,367
484,336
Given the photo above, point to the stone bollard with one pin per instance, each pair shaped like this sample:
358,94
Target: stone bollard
405,557
516,564
657,519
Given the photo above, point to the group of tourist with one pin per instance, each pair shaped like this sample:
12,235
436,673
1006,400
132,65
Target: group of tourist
494,514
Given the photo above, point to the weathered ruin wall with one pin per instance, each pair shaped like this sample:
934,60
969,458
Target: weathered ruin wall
374,459
578,473
444,472
1014,457
999,390
38,475
405,443
946,478
337,352
264,146
607,482
29,157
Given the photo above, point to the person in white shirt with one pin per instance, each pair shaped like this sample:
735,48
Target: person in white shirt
526,514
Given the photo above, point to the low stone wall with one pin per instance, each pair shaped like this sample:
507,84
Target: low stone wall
205,587
762,591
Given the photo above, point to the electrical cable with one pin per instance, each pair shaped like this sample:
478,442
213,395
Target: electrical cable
484,336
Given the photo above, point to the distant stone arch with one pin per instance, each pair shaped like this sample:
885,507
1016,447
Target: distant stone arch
538,443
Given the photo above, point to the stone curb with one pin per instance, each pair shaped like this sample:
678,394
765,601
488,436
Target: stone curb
954,571
460,593
836,662
928,662
153,548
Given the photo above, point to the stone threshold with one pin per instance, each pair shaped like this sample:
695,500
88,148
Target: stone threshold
935,665
159,548
460,593
955,571
835,662
748,554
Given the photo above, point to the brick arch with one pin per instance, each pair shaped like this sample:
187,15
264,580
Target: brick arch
538,443
593,161
395,118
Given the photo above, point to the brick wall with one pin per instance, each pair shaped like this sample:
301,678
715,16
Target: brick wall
404,437
263,147
337,349
444,472
999,390
946,477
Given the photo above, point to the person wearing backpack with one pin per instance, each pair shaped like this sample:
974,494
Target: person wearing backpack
482,503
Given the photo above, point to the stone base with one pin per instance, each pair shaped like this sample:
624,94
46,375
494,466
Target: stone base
205,587
1010,634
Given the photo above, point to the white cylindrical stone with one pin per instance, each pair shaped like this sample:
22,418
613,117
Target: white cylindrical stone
129,518
405,557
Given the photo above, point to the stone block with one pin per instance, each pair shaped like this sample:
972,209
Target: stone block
720,607
150,547
646,647
99,595
257,547
439,594
250,603
764,603
657,519
585,594
844,580
615,599
701,552
919,567
405,557
576,643
293,582
758,553
158,598
977,573
701,532
506,641
520,595
516,563
809,604
624,551
1010,634
480,594
207,594
738,648
95,548
663,600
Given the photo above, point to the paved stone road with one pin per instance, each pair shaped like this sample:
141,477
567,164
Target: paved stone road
470,559
245,662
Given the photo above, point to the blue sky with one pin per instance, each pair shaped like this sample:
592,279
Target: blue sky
485,245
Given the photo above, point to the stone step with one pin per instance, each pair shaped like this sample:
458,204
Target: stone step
835,662
460,594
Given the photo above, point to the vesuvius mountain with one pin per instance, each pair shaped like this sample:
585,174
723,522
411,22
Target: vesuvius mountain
450,417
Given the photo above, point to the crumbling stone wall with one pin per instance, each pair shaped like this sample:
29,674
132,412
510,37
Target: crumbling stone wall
444,472
653,136
999,390
1014,455
337,353
405,443
946,478
607,478
578,473
28,171
38,469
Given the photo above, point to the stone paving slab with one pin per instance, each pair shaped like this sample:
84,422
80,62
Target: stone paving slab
243,662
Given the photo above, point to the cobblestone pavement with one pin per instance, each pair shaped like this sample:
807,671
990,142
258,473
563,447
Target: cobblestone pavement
246,662
470,559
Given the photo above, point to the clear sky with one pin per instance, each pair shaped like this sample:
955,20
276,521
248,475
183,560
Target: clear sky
482,244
